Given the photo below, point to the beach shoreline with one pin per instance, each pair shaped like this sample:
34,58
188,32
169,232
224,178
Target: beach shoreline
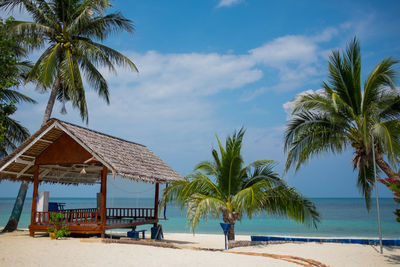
18,249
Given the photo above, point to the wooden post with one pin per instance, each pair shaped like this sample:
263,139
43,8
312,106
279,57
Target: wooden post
156,203
34,202
103,200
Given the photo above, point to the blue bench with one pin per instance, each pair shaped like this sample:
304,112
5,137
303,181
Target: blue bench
135,233
56,206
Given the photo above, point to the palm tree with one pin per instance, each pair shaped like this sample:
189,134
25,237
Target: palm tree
12,73
70,29
73,31
344,115
225,186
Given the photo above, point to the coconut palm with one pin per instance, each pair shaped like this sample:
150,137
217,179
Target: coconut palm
346,115
73,31
225,186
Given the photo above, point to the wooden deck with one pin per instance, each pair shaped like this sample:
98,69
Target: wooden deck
89,220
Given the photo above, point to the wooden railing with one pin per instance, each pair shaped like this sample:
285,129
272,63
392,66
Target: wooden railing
134,213
92,216
81,210
82,216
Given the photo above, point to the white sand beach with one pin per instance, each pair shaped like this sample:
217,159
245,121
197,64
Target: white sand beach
18,249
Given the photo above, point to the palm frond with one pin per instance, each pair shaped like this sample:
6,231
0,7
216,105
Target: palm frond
383,75
209,168
229,176
201,206
389,106
102,26
365,182
310,134
17,97
203,185
116,57
39,9
251,198
344,77
176,193
259,170
15,133
388,135
287,202
95,79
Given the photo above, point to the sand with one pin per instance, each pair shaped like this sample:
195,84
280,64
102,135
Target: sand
18,249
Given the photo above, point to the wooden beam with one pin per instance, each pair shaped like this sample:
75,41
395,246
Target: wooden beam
44,173
28,146
16,173
29,157
27,167
156,202
103,200
34,202
26,162
46,141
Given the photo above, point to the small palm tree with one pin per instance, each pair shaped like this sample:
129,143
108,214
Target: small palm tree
344,115
225,186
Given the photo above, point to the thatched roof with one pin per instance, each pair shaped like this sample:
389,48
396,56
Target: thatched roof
127,159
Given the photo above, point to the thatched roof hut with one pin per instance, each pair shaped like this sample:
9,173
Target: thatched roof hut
127,159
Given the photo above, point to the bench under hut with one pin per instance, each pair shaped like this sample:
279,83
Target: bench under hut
61,152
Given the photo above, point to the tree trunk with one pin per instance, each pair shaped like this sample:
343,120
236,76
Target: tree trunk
52,100
12,223
229,217
17,210
385,167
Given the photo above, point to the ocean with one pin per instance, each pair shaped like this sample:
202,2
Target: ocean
340,217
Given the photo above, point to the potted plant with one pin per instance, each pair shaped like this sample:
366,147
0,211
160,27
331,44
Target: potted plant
57,230
52,232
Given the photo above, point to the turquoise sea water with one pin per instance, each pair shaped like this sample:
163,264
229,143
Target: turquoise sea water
342,217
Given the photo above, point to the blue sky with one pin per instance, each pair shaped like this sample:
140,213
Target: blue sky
209,67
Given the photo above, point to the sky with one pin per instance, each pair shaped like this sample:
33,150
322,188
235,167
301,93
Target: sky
209,67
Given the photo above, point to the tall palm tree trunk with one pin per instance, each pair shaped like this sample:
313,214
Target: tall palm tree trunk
385,167
17,210
13,221
52,100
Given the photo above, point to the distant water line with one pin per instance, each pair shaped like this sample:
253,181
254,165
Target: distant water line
340,217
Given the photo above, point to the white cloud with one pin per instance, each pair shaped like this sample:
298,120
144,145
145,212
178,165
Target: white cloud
197,74
326,35
226,3
282,50
289,106
170,105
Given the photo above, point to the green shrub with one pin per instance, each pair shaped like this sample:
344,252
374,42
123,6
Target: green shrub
57,220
